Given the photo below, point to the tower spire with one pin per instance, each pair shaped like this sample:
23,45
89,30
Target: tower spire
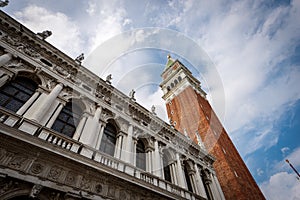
191,114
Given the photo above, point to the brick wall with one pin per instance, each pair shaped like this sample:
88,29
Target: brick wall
192,113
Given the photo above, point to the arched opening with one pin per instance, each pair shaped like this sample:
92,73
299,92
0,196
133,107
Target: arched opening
16,92
140,155
68,119
206,181
179,78
187,177
109,138
176,82
166,165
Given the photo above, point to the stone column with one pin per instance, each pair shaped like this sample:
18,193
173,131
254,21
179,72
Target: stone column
80,127
28,103
173,173
102,126
91,129
118,146
134,151
55,115
157,160
148,160
46,104
191,175
4,79
123,147
181,181
161,165
5,58
216,188
199,183
128,153
207,182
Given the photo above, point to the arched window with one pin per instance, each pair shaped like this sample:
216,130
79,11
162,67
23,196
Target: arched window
68,119
109,138
176,82
187,178
140,155
172,85
167,171
179,78
206,182
15,93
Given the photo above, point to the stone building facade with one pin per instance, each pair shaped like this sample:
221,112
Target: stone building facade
65,133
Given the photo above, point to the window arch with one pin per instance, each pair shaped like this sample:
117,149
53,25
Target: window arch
176,82
140,155
68,119
109,138
187,177
179,78
15,93
166,165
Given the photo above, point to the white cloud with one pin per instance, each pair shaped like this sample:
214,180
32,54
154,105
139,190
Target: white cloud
108,20
280,186
91,8
65,32
248,41
284,150
259,171
294,159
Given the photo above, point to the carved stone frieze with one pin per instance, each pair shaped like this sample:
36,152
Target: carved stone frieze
71,178
61,70
36,168
85,183
55,173
137,131
36,189
124,124
17,161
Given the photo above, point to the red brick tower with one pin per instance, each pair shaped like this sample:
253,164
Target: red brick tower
192,115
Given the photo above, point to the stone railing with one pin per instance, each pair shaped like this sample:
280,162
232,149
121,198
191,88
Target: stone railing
34,129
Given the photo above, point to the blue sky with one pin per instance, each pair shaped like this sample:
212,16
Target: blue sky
251,49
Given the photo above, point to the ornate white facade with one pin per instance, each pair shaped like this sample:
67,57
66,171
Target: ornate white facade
65,133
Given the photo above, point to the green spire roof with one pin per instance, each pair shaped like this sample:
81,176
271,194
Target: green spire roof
169,62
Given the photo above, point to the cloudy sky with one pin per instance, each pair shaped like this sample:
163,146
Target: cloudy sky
246,54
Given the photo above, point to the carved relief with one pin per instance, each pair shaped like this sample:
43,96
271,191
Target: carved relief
98,188
36,189
29,51
62,71
66,93
112,191
71,179
124,195
137,132
124,124
85,183
36,168
55,172
17,162
16,64
11,40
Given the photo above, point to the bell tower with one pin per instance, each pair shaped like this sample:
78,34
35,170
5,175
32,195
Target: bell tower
191,114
